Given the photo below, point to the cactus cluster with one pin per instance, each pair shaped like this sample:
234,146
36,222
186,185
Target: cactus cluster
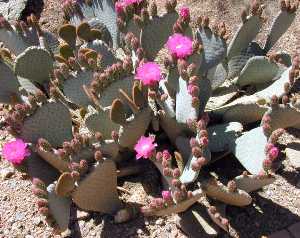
119,79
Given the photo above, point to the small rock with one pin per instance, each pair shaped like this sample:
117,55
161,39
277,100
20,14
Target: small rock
5,198
37,221
81,215
19,216
29,236
168,228
66,233
7,173
139,231
293,154
159,222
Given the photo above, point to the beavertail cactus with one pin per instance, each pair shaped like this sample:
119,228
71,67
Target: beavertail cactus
121,84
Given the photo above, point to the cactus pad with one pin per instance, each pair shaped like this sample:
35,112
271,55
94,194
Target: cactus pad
100,121
102,180
222,137
51,121
250,150
73,87
9,83
258,70
161,26
244,35
59,208
281,23
214,47
35,64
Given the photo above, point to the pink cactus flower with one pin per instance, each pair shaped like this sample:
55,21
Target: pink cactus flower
149,73
184,12
273,153
15,151
180,46
119,7
166,195
145,147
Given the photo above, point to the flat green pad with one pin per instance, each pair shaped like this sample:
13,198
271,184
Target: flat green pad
258,70
51,121
104,10
39,168
276,88
251,183
214,46
59,208
250,150
111,92
237,62
35,64
222,137
9,83
244,35
13,41
221,96
73,88
98,190
217,75
161,26
135,128
184,109
283,116
280,25
100,122
101,48
244,110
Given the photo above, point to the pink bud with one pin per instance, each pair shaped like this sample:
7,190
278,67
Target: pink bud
184,12
193,142
166,155
166,195
273,153
159,157
204,141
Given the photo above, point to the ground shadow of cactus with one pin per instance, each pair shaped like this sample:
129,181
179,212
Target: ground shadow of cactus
259,217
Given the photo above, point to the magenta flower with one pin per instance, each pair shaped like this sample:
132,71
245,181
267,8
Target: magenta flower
149,73
184,12
145,147
273,153
166,195
15,151
120,5
180,46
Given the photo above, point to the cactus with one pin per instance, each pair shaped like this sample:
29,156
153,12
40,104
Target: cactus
120,80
